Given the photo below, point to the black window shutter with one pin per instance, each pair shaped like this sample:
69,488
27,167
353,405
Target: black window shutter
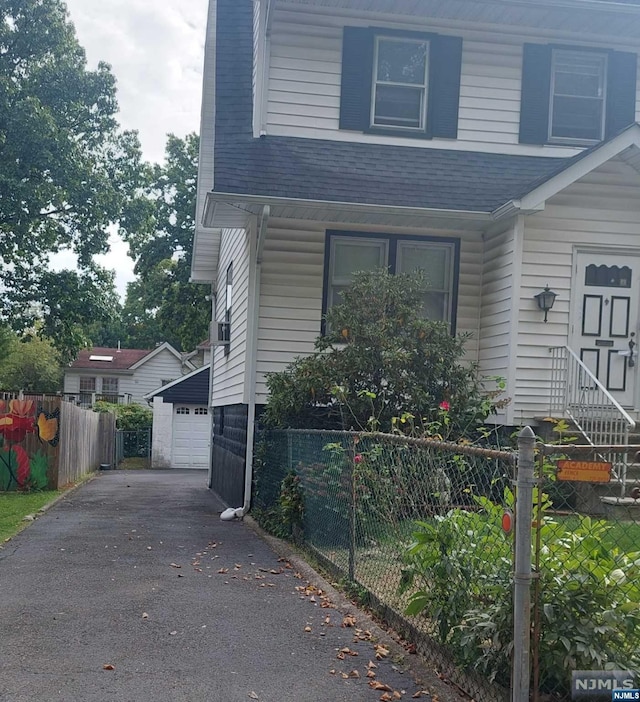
445,63
535,97
357,75
621,91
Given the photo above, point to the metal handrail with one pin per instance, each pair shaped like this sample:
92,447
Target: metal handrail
597,415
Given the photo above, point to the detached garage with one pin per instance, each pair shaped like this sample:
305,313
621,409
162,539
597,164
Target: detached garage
182,422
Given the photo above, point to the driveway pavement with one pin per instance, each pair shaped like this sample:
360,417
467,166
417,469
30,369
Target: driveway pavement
135,570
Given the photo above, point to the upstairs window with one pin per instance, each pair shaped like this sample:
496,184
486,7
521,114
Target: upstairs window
578,90
400,83
575,96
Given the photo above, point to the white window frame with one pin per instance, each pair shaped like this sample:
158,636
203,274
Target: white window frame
183,410
425,86
603,98
449,247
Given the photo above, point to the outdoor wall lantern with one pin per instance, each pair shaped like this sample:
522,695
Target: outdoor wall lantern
545,300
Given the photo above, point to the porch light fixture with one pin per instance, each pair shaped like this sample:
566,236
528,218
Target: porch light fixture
545,300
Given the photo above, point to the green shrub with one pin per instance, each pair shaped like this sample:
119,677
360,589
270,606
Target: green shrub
378,360
132,417
459,569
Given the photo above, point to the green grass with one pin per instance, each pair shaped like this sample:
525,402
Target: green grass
14,506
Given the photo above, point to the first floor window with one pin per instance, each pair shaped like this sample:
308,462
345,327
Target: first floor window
436,257
87,384
110,386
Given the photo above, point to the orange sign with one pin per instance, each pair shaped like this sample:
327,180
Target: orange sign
584,471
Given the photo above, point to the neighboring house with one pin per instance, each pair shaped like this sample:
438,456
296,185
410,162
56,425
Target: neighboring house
491,143
181,422
201,355
122,375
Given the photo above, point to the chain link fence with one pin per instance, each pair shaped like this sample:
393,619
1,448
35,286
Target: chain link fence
133,444
414,528
586,596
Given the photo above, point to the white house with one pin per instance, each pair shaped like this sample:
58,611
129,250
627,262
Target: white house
122,375
492,143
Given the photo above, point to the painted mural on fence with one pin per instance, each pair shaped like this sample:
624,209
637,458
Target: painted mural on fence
27,431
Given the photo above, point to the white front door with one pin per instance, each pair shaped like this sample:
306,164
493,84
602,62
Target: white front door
605,314
191,432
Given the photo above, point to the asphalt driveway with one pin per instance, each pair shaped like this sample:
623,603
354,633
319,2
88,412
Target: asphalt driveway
132,589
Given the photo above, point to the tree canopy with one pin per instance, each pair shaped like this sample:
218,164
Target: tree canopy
32,365
68,173
162,304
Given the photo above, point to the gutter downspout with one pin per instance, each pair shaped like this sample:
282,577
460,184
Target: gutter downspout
255,255
210,396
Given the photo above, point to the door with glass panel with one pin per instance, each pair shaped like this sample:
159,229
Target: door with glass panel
604,332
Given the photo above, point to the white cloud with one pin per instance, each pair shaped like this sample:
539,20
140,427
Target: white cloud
156,52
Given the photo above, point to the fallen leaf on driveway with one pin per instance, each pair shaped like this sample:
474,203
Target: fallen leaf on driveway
375,685
349,621
223,570
307,628
381,651
172,633
175,565
253,695
108,666
348,651
145,615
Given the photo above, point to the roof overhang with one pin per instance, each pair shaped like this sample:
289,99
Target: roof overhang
625,145
230,210
586,18
177,381
165,346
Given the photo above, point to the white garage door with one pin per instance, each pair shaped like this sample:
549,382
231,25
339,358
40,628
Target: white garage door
191,431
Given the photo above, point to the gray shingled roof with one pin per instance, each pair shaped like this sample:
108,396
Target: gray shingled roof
346,171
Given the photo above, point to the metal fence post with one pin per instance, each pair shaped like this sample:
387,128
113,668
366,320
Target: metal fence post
522,578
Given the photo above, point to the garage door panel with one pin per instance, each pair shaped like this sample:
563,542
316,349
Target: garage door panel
191,435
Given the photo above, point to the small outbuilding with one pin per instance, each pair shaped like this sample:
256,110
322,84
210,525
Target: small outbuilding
182,422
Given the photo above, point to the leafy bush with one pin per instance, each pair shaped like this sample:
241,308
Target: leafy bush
378,360
283,518
461,564
132,417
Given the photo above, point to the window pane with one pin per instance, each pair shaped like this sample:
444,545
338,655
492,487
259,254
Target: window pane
87,384
399,106
433,260
579,74
349,257
435,306
110,385
401,61
577,118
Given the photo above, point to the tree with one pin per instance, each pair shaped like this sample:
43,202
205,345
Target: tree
162,305
380,361
32,365
68,172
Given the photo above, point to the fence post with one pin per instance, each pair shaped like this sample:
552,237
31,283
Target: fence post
520,681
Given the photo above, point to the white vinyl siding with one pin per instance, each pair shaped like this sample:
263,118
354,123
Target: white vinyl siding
497,313
228,370
600,210
292,284
149,376
305,74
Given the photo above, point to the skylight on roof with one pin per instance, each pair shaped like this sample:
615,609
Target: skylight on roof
101,358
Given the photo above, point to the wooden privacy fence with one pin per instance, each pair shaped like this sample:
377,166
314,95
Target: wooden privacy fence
87,439
46,442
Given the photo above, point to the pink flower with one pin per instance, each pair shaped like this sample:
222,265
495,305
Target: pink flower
444,406
358,458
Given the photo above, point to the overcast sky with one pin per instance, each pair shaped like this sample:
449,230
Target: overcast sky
156,51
